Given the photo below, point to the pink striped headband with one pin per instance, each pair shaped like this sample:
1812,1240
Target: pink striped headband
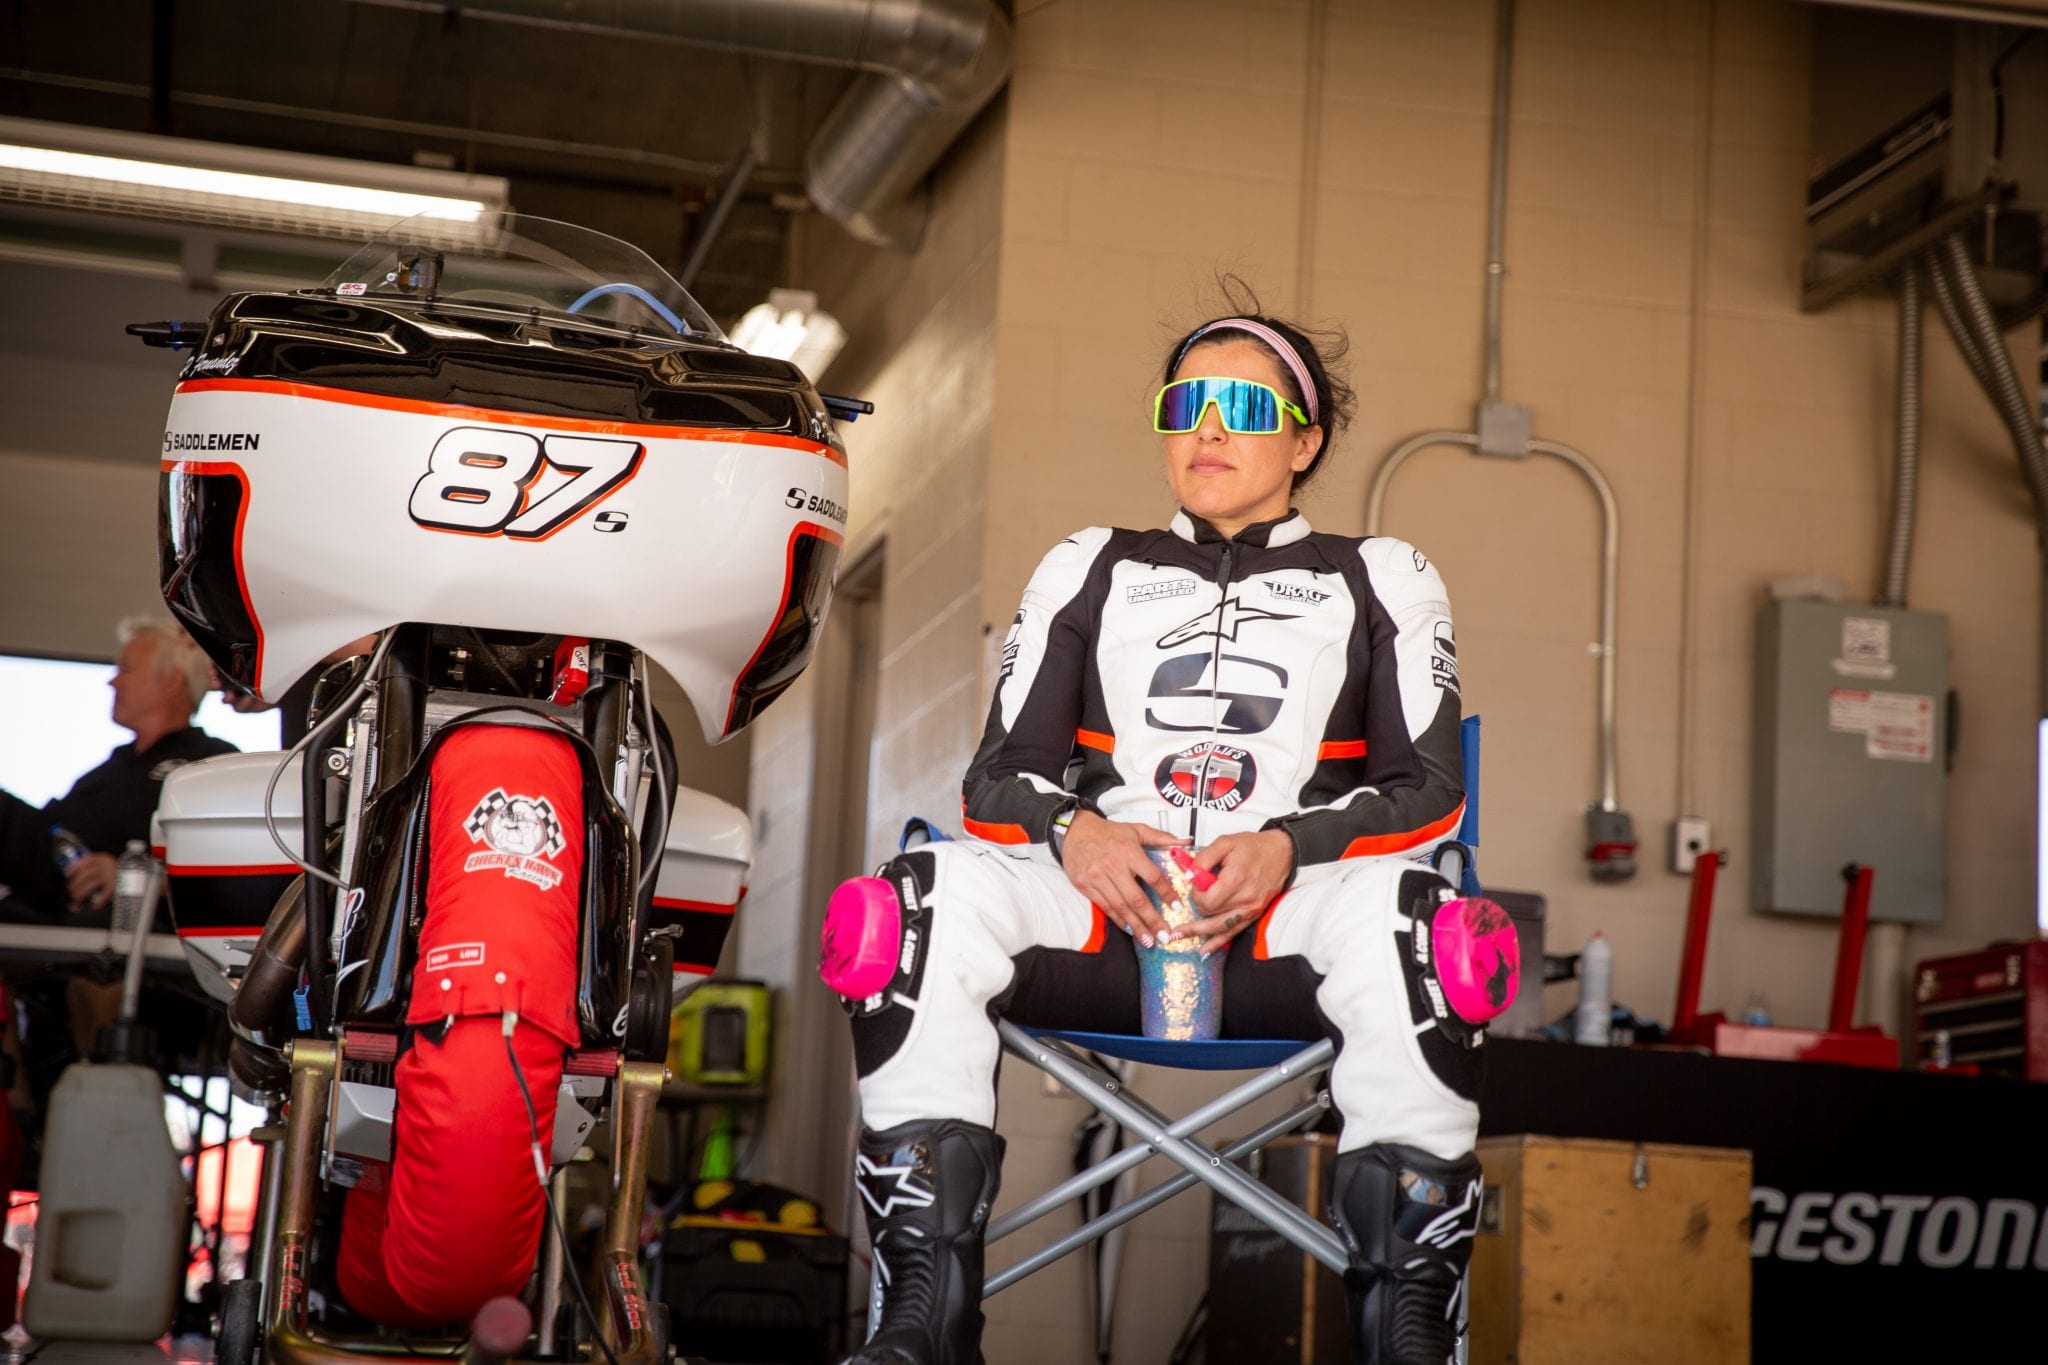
1279,345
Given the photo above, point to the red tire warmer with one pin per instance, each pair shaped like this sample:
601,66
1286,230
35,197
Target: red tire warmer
456,1218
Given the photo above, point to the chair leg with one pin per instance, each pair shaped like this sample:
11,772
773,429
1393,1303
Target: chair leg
1151,1199
1089,1081
1204,1164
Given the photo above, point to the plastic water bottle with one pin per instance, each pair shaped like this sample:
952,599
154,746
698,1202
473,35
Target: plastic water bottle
66,848
131,886
1594,1022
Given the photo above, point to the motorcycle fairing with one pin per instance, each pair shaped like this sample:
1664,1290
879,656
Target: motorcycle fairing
332,468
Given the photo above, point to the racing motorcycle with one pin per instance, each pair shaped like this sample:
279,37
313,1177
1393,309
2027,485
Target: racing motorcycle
518,465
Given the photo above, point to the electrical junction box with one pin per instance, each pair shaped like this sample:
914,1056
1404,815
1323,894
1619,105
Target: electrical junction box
1851,758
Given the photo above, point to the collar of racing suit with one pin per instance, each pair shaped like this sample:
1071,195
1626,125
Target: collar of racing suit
1279,531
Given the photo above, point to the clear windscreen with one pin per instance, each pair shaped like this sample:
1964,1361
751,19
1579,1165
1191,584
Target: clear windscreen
515,263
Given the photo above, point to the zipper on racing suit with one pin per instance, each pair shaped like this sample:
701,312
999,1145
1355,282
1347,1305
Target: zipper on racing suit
1215,682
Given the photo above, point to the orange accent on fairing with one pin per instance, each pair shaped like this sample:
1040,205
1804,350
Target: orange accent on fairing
469,413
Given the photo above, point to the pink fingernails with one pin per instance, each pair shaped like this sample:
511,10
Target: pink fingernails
1202,877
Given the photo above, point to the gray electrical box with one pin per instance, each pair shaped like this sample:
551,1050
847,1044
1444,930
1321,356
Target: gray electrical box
1851,758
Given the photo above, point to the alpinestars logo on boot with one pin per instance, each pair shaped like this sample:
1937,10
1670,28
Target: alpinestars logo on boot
885,1188
521,834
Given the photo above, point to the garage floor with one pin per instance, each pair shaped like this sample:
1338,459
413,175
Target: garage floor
177,1351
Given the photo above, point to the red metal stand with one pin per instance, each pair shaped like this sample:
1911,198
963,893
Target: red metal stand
1839,1042
1849,948
1699,915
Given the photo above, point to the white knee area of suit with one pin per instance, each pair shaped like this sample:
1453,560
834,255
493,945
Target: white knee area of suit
986,907
1349,923
946,1067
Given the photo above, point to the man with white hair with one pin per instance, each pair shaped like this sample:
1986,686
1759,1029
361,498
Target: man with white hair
159,680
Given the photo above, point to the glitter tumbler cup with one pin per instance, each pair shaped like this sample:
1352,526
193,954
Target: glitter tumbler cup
1180,991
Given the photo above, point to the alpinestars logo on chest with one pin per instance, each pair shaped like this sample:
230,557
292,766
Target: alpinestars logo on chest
1222,622
521,835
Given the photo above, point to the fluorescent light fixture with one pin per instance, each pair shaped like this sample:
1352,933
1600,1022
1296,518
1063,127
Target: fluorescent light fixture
178,180
791,327
388,204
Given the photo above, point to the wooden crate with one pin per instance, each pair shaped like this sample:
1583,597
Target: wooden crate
1596,1252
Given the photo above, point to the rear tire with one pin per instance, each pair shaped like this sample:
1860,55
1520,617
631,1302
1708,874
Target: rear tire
241,1321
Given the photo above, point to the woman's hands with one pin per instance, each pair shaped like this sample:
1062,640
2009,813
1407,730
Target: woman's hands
1105,860
1250,871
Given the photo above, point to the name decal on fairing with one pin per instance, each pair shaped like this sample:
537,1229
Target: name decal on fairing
213,440
805,501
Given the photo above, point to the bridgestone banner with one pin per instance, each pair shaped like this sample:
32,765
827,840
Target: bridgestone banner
1894,1215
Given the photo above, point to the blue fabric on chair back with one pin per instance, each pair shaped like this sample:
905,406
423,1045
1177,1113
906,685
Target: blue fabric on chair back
1207,1054
1468,739
1468,828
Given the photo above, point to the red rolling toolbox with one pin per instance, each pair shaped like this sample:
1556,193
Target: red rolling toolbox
1986,1011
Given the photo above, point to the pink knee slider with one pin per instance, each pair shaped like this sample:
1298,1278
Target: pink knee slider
863,935
1478,957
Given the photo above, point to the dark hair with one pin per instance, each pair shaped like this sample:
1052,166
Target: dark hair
1321,353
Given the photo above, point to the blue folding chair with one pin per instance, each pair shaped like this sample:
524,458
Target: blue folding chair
1064,1055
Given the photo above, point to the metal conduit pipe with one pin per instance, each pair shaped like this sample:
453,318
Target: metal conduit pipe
1952,318
1610,567
1497,197
1610,596
2021,419
1610,834
931,65
1898,564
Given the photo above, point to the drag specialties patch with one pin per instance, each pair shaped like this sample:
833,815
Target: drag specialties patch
1214,776
522,835
1296,592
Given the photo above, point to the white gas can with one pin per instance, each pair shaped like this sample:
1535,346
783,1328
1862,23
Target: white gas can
110,1231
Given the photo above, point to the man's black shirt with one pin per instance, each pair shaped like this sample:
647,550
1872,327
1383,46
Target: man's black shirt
105,808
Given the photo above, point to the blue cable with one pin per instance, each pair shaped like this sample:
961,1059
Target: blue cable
637,292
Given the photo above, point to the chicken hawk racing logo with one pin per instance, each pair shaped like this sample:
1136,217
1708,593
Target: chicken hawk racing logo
520,834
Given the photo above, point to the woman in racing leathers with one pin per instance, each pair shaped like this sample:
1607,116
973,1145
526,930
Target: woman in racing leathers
1284,703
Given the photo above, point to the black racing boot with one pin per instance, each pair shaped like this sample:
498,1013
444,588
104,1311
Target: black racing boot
1408,1219
928,1187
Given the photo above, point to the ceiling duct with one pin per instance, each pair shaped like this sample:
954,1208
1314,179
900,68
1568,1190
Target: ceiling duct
1923,127
931,65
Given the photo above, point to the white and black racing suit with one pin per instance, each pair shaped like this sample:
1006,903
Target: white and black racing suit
1282,679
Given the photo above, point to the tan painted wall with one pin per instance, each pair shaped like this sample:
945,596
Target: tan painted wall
1651,320
923,351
